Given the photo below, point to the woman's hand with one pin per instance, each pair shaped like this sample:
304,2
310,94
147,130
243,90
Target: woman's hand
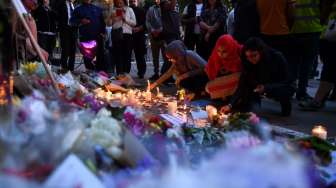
45,54
152,86
211,29
180,78
85,21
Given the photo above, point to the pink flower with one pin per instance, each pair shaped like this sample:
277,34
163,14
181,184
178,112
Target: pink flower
253,119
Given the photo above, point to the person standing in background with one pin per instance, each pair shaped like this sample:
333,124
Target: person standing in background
45,19
67,34
90,21
171,23
276,20
190,20
154,28
246,20
139,45
122,17
213,25
306,32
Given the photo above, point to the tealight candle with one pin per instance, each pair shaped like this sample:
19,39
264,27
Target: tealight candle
148,96
117,95
172,107
320,132
212,111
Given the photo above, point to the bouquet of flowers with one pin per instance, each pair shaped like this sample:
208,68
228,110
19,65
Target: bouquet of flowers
319,150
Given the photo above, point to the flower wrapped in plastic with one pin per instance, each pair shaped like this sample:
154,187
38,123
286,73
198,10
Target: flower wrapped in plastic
107,132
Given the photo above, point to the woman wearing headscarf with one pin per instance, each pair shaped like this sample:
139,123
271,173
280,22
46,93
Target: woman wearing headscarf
224,67
187,66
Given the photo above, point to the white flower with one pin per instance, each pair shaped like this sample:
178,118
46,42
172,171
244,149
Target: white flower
104,113
105,131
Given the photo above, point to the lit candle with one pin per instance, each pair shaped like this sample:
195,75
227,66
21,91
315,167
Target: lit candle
320,132
184,107
159,95
212,111
148,85
172,107
148,96
181,94
117,95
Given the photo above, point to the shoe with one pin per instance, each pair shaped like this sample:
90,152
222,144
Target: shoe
154,77
286,108
310,105
303,97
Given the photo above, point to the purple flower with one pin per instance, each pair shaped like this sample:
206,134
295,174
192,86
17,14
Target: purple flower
136,126
253,119
93,103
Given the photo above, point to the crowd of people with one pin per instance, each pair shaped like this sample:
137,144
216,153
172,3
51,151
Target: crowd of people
260,48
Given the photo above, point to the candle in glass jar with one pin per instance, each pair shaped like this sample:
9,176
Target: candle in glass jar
320,132
172,107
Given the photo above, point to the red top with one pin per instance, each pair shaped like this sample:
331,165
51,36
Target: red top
231,63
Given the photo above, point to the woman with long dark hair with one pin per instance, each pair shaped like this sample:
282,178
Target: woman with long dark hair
265,73
213,25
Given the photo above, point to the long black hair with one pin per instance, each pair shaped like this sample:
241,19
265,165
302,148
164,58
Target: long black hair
254,44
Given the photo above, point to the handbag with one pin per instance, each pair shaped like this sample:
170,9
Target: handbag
88,48
330,33
117,35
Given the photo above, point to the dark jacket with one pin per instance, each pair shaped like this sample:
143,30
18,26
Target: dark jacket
246,20
62,15
170,25
96,26
271,71
45,19
140,16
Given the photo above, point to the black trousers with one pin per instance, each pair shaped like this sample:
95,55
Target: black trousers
207,47
281,94
47,42
192,41
68,48
328,57
122,51
139,48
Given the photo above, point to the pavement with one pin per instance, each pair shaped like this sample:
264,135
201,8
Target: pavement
302,121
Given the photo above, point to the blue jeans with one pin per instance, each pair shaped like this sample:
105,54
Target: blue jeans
307,48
